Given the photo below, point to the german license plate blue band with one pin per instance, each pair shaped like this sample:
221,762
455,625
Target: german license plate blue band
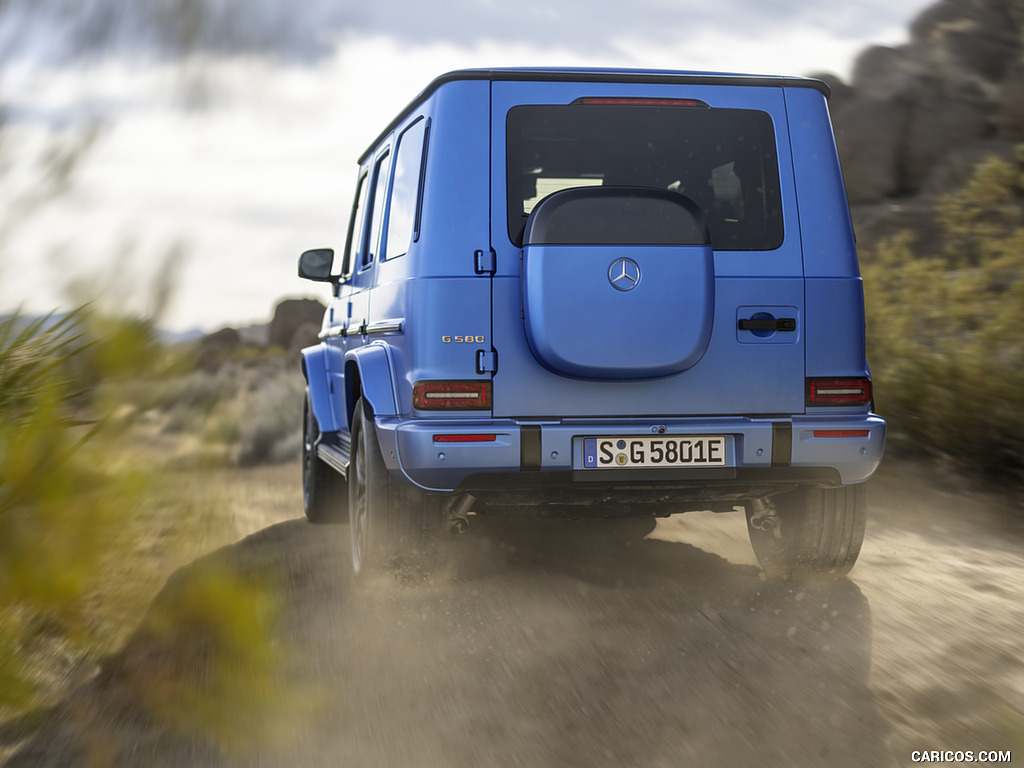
621,452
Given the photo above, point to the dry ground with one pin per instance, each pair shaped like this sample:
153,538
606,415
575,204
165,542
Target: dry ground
554,644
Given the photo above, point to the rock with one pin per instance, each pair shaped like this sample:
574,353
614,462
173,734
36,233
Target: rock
886,74
957,166
306,335
214,347
870,135
917,115
982,36
254,335
1009,117
289,316
945,113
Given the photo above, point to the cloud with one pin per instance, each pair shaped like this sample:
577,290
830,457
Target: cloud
268,168
62,30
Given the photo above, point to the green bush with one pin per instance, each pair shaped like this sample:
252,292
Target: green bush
59,503
944,332
77,502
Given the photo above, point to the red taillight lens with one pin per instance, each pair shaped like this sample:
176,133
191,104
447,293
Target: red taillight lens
606,101
839,391
841,433
465,438
451,395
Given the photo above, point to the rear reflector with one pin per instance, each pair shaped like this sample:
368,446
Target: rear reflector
839,391
451,395
841,433
465,438
634,102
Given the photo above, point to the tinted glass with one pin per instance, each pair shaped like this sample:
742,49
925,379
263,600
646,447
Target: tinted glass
405,191
355,229
380,188
723,159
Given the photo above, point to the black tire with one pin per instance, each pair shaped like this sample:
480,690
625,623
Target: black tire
820,531
324,491
394,526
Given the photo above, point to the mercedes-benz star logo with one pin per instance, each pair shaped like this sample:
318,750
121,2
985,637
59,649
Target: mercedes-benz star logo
624,274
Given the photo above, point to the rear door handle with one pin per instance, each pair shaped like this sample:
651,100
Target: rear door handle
772,324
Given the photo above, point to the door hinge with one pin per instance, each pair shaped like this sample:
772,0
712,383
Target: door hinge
486,362
485,262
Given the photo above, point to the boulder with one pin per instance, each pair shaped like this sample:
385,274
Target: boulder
886,74
289,316
1009,117
957,166
213,348
922,115
306,335
870,135
981,36
946,112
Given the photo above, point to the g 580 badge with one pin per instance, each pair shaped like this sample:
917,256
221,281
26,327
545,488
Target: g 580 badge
463,339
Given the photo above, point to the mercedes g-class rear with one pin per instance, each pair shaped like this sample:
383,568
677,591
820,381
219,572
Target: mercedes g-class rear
597,293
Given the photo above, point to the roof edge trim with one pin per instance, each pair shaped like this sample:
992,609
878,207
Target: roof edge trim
597,76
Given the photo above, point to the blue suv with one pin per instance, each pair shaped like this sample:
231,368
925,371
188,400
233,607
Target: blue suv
596,293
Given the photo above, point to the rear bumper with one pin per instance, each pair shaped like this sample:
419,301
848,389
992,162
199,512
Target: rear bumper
788,448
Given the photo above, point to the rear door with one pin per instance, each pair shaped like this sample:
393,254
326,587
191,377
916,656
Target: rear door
349,310
594,325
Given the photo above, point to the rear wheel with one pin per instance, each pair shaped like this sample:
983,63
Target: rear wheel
324,491
815,532
394,526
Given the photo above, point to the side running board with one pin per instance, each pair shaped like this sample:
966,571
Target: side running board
336,454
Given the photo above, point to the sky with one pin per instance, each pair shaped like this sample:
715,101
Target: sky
228,163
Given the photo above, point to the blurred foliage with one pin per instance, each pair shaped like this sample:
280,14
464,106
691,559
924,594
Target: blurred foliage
172,29
60,502
92,518
77,494
201,660
944,332
245,410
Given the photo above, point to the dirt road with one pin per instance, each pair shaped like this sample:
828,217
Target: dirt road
557,644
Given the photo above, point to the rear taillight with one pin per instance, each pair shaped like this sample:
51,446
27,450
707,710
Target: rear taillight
451,395
841,432
837,391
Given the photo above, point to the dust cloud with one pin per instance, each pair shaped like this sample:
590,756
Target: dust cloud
558,643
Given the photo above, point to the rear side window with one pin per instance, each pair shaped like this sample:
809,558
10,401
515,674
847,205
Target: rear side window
380,188
723,159
407,190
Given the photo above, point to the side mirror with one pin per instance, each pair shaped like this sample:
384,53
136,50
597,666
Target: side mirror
316,265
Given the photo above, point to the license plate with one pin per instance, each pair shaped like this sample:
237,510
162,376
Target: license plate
663,451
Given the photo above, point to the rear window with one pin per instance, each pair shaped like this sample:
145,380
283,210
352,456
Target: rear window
723,159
